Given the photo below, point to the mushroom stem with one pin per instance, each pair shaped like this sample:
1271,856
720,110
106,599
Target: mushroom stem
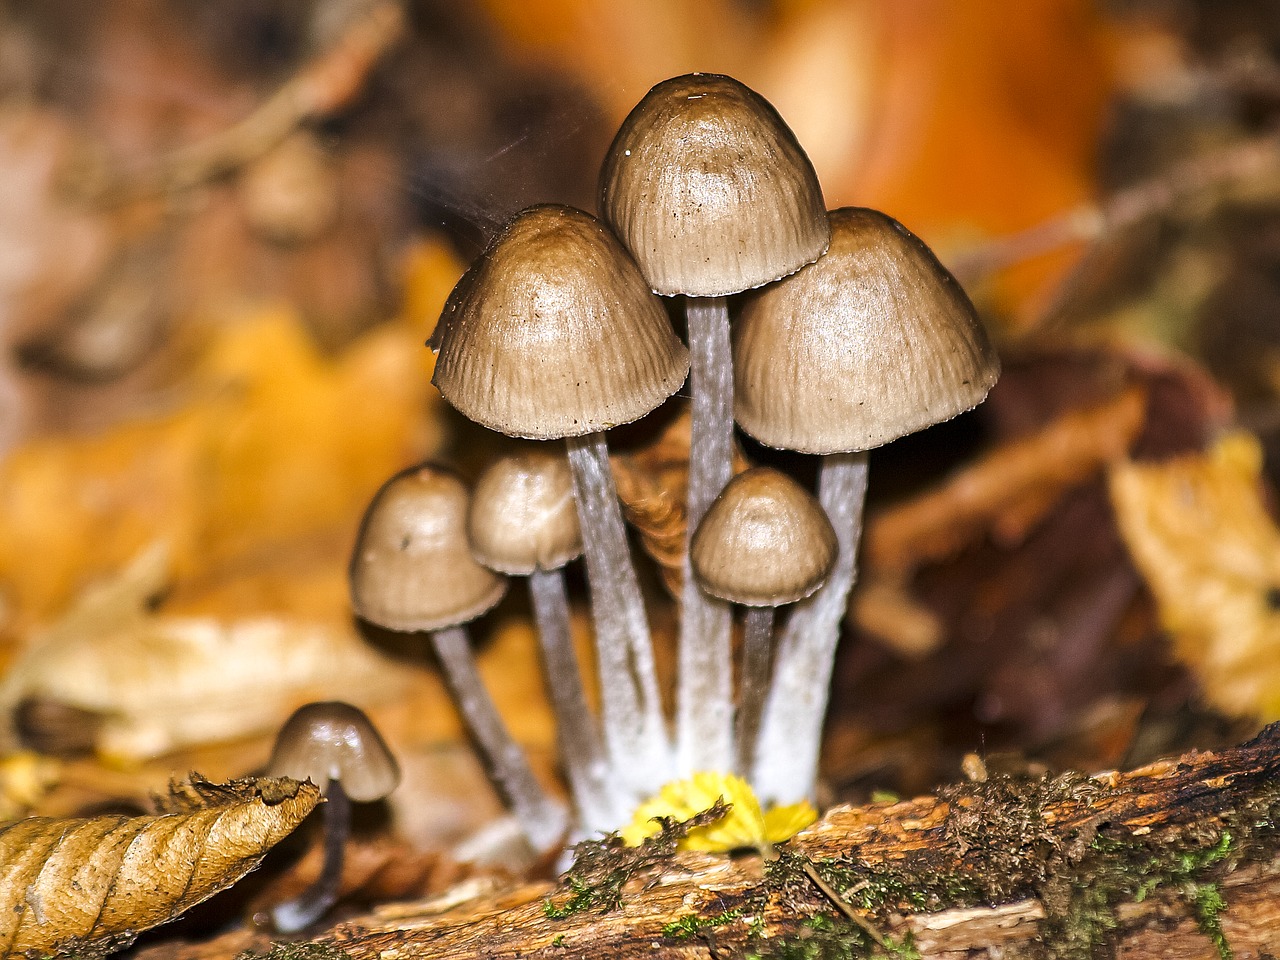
542,819
786,758
635,734
310,905
757,639
704,696
576,731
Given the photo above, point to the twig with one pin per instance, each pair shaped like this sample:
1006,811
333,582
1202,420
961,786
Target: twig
325,84
849,913
1091,222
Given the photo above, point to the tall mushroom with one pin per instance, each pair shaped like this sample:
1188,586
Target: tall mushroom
336,747
763,543
874,341
553,333
411,571
522,522
709,189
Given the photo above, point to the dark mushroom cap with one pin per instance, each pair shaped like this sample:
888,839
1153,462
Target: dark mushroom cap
412,567
709,189
332,740
874,341
553,333
764,541
523,516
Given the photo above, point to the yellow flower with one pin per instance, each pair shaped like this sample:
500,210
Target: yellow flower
744,826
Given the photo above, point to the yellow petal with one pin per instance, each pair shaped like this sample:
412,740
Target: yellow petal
744,826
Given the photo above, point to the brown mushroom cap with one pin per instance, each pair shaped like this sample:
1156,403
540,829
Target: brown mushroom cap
553,332
332,740
523,516
412,567
710,190
874,341
765,541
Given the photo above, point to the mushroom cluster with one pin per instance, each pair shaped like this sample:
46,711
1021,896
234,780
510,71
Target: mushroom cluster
848,334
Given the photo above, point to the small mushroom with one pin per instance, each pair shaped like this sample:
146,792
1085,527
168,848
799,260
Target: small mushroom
412,570
523,522
763,543
713,195
873,341
335,746
553,333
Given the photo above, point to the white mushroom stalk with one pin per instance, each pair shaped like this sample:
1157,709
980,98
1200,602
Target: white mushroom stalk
553,333
704,694
753,684
709,189
580,748
873,341
631,705
785,765
543,821
412,570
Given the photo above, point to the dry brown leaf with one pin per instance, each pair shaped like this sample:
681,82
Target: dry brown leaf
160,682
89,886
1201,536
652,485
272,441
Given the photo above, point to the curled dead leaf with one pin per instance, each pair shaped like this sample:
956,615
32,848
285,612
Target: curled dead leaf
88,886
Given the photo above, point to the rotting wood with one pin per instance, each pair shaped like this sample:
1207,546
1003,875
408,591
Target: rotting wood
1118,864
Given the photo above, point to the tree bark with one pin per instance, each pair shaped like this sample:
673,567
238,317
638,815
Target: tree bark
1180,859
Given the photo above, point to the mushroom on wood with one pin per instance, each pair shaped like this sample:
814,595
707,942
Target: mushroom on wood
412,570
764,542
713,195
522,522
874,341
336,747
553,333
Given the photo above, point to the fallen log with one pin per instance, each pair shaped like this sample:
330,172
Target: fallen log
1179,859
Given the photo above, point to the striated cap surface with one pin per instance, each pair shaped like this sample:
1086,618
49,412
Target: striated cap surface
873,341
709,189
553,333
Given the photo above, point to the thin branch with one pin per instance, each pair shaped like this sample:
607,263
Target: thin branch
1240,162
325,84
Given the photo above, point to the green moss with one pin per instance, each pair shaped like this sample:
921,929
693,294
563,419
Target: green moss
692,925
819,937
997,847
1209,904
601,868
299,950
826,937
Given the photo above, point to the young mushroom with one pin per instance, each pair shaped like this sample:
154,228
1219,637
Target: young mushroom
523,522
411,571
553,333
872,342
763,543
336,747
708,188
